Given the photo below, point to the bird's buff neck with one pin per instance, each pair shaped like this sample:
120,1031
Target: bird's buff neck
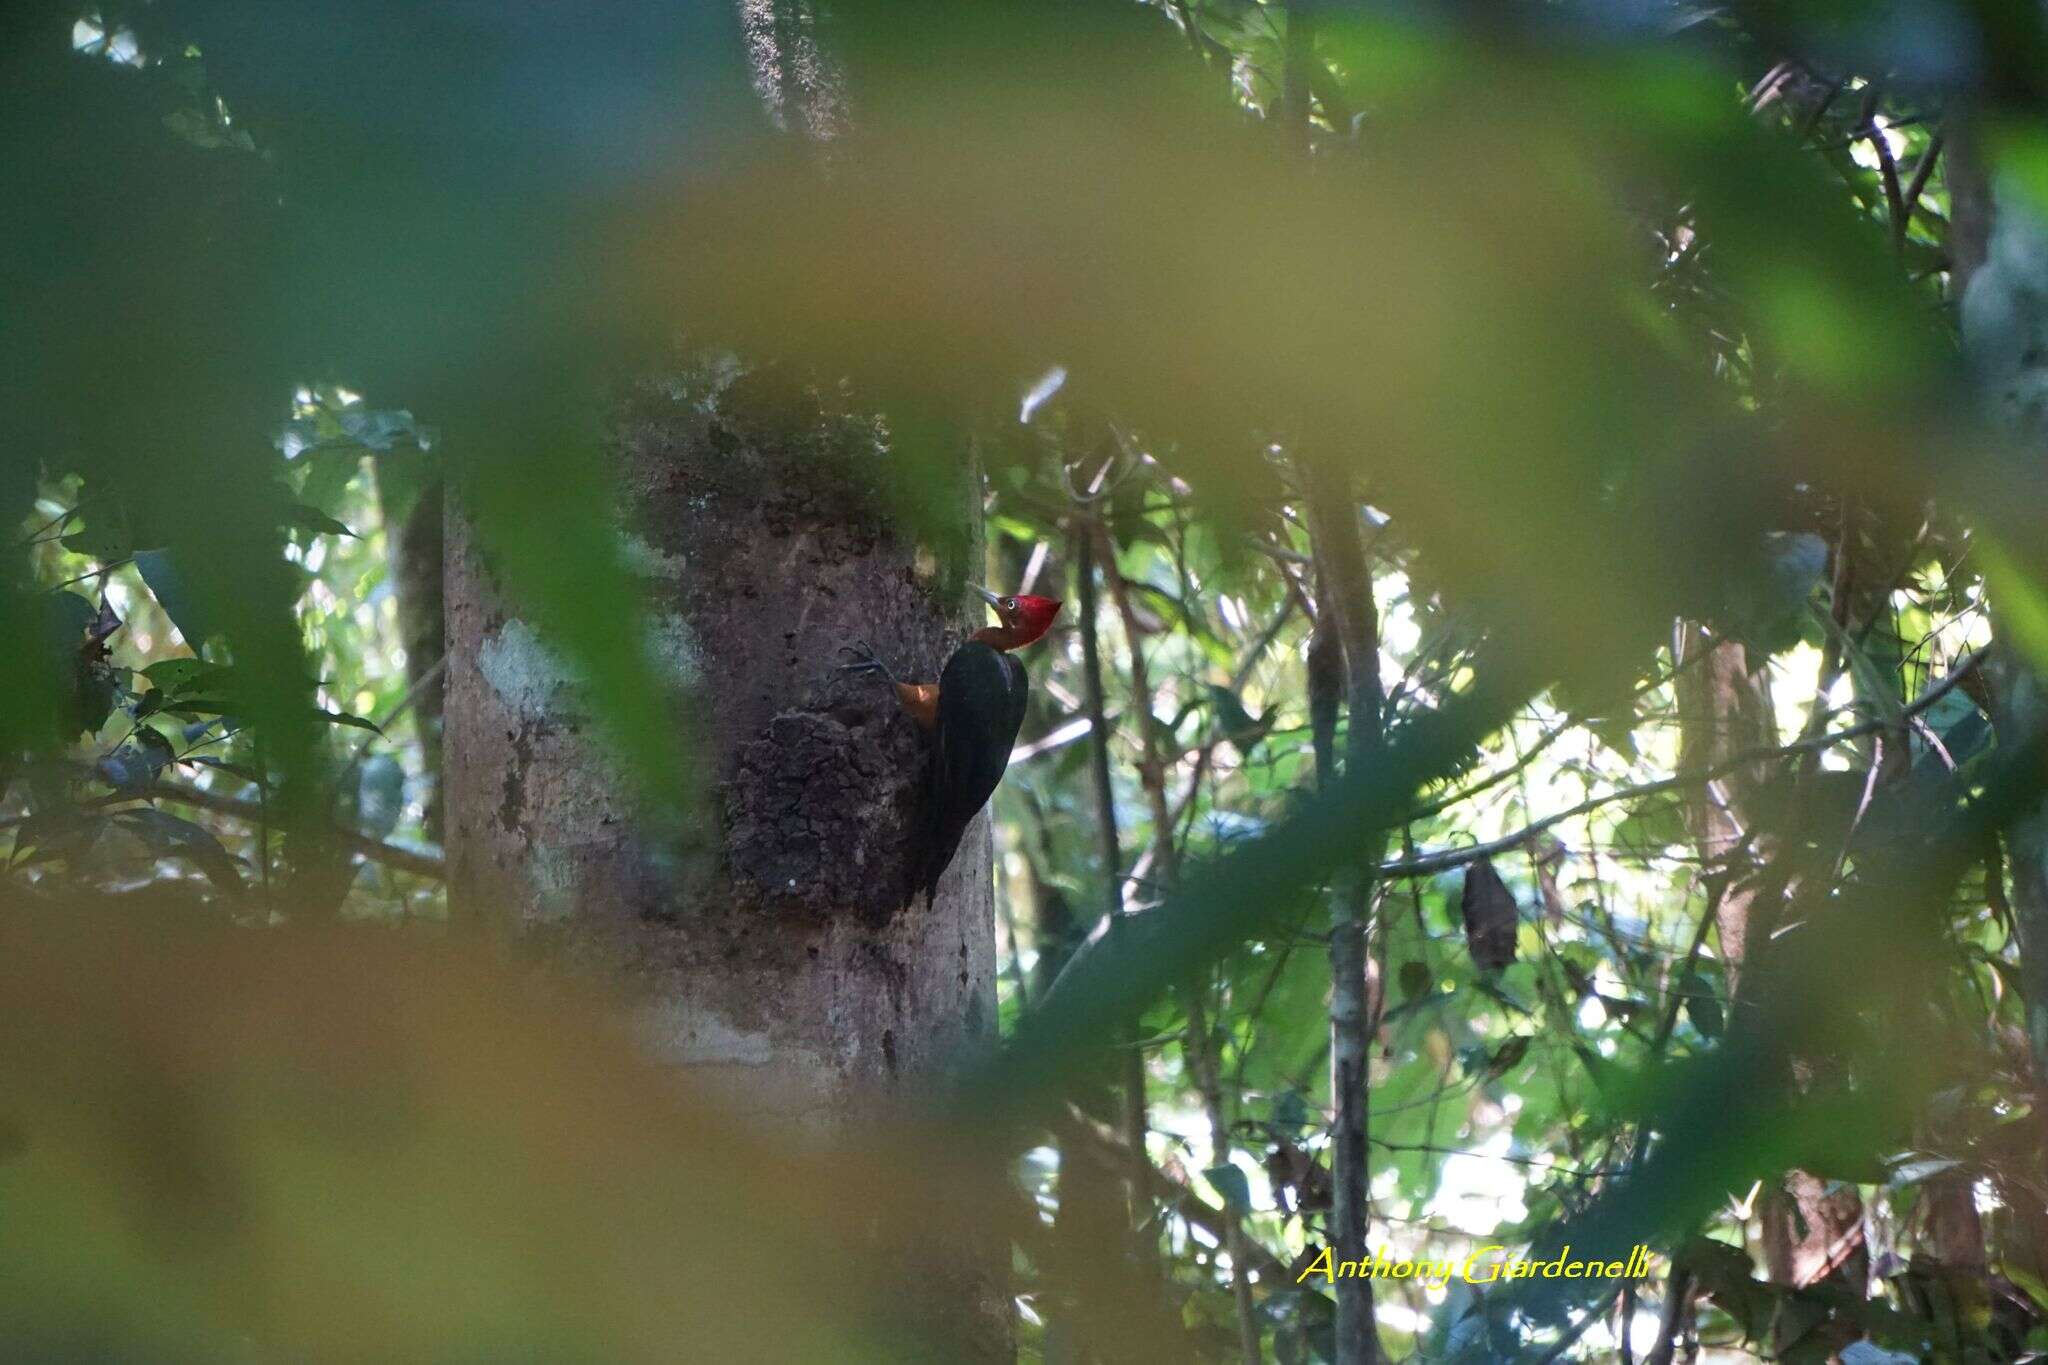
1001,637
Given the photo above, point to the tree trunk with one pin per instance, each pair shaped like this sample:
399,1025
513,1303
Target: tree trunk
1724,708
418,555
764,937
1999,278
1345,593
2001,333
1123,1312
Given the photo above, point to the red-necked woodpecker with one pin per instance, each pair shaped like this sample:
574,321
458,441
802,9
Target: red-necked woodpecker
972,714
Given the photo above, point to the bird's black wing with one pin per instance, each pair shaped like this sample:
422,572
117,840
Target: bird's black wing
981,708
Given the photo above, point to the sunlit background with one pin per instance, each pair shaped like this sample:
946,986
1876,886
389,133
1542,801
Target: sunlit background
1631,335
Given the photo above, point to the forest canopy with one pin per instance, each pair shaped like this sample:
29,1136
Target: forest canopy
1542,752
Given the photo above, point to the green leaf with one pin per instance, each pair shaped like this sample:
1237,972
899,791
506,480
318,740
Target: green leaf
342,718
174,676
168,834
328,472
173,594
1228,1181
127,770
352,430
61,831
1508,1055
1702,1004
2020,151
2022,602
241,770
380,795
1873,684
1768,606
1913,1172
69,615
1962,729
199,706
384,429
313,519
152,742
1657,824
106,537
1233,721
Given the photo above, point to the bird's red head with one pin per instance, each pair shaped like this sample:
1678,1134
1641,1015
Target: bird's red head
1025,619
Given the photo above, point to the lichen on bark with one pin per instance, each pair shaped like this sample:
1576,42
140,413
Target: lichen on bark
755,499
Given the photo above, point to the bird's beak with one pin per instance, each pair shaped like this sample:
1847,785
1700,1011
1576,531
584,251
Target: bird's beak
986,595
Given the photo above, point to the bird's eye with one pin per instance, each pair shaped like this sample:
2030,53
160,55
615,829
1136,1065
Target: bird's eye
1009,604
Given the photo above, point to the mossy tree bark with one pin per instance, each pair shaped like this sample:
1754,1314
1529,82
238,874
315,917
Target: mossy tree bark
765,935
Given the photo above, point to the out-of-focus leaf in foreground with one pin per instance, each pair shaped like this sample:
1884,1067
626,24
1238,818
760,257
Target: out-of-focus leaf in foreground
1747,1109
1444,307
1233,900
400,199
358,1146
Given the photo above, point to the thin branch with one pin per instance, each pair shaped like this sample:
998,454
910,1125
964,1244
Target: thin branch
1443,860
419,862
1109,1148
1678,1296
1820,110
1345,594
1916,187
412,695
1578,1329
1523,760
1894,197
1109,847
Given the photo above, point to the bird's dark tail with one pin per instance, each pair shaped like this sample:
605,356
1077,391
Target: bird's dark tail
940,845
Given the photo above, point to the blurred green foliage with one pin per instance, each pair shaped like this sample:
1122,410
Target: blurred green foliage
1613,314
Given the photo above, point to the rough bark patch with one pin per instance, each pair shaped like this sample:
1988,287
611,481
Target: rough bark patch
819,812
759,528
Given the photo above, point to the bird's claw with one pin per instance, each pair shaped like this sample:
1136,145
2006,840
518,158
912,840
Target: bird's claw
865,660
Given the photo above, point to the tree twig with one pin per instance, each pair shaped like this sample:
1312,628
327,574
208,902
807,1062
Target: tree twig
1443,860
419,862
1109,847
